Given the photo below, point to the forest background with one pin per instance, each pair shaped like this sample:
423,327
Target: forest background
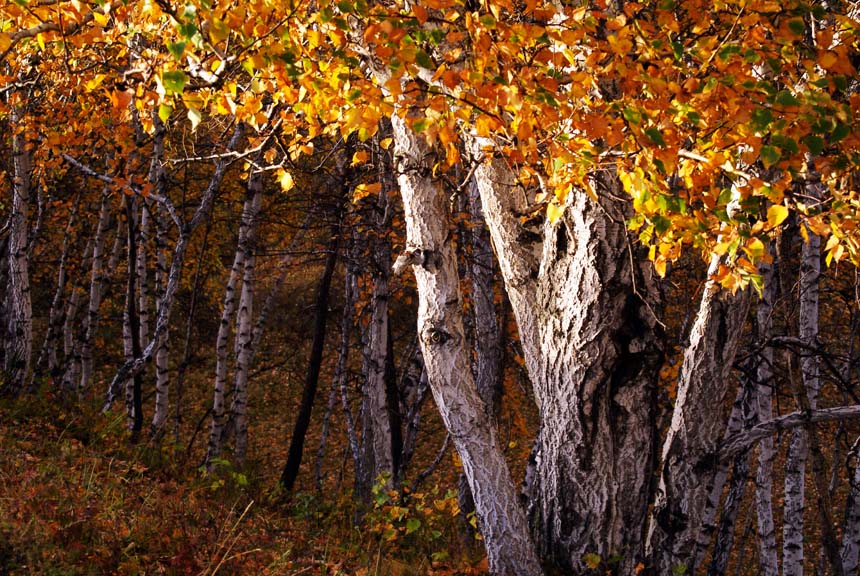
245,243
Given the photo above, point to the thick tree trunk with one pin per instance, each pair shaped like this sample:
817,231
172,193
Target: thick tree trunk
595,380
430,250
19,346
303,418
688,462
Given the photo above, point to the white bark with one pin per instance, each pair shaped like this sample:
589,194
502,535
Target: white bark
228,309
688,461
795,466
143,295
595,381
244,316
440,326
768,563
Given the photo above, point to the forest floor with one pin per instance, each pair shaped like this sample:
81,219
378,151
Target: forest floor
76,497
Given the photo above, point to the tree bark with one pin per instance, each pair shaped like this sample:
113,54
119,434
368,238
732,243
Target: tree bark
688,462
430,250
244,316
795,465
19,346
768,563
134,398
595,384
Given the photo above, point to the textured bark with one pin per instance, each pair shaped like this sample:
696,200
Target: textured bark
162,351
143,286
381,415
712,504
768,563
19,346
595,384
222,341
244,316
737,486
688,460
430,250
795,465
486,335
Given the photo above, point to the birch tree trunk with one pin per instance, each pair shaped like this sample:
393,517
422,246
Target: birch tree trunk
688,461
430,250
97,281
19,346
143,288
244,317
768,563
162,351
595,382
795,465
228,308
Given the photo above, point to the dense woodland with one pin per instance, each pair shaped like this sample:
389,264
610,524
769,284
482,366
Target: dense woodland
444,286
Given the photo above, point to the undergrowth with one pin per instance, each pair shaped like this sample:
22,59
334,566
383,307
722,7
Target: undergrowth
76,497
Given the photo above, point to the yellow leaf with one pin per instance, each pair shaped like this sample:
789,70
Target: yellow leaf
5,42
285,179
195,117
776,215
364,190
660,266
385,143
554,211
101,19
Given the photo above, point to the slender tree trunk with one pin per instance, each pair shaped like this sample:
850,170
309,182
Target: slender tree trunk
143,288
97,281
134,384
19,346
219,408
795,466
303,418
244,316
430,250
851,531
688,462
48,353
768,563
162,351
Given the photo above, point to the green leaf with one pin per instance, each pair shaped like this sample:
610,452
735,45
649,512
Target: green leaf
177,49
839,133
797,26
174,81
164,112
769,155
412,525
655,136
814,143
423,60
786,98
632,115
